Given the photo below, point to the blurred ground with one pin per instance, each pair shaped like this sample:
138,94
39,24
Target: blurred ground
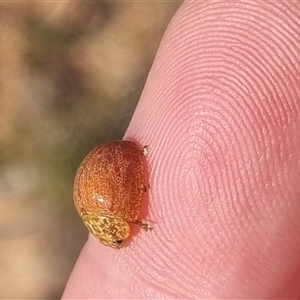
70,77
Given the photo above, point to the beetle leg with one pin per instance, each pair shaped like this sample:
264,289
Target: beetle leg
145,150
146,187
145,226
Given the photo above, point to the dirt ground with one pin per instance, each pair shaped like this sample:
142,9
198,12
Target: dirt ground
70,77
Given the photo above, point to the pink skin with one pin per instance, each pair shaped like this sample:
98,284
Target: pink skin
220,114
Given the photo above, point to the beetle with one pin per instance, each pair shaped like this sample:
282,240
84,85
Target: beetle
108,191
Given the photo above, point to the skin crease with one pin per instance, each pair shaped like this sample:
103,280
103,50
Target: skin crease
220,114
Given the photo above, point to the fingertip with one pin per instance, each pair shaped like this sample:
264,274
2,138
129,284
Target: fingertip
219,113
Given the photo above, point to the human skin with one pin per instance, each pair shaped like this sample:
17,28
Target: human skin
220,114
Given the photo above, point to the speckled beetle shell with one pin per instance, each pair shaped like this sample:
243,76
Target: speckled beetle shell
108,191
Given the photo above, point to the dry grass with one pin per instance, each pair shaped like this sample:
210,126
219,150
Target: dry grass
70,77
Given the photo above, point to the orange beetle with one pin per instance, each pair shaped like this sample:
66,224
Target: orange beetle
108,191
